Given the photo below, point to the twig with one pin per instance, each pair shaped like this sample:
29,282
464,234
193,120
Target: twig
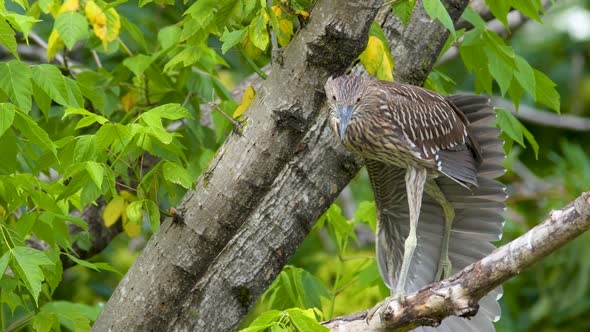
252,64
39,41
459,294
273,35
237,126
67,65
387,3
533,115
96,59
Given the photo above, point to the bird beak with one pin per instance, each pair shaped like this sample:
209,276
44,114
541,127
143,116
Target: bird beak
344,113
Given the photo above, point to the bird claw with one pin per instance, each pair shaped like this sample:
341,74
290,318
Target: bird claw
444,269
380,307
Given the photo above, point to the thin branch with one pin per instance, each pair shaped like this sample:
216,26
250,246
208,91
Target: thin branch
459,294
96,59
549,119
237,126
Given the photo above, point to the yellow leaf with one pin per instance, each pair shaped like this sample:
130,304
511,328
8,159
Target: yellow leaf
377,59
54,45
68,6
252,51
128,101
106,24
128,196
302,13
247,98
132,229
277,10
114,210
286,27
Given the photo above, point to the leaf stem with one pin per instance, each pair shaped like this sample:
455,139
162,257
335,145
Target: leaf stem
252,64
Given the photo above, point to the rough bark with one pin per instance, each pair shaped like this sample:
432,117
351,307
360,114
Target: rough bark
459,294
158,290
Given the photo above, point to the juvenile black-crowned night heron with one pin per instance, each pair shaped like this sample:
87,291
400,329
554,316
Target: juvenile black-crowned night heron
414,140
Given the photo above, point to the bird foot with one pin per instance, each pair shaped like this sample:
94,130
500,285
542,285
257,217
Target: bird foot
380,307
444,269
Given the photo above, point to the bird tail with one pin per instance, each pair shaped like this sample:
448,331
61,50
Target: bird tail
478,221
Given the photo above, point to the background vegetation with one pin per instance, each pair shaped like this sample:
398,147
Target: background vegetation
116,117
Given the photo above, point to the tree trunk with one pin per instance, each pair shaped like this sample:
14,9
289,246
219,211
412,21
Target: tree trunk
168,284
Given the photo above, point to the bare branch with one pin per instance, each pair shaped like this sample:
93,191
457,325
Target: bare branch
549,119
459,294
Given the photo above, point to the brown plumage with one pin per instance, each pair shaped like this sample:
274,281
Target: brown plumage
408,124
416,141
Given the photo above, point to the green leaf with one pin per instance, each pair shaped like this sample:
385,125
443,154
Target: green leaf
85,149
23,3
264,320
41,99
9,150
23,23
138,63
4,262
177,174
96,172
546,93
366,212
75,97
88,117
257,32
403,10
45,322
72,27
26,263
169,36
6,116
134,31
500,9
525,76
531,139
510,125
50,80
472,17
31,130
7,37
530,8
189,56
73,316
134,212
231,39
169,111
500,71
153,214
15,81
436,10
304,320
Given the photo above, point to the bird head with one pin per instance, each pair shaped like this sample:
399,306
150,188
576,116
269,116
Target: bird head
345,94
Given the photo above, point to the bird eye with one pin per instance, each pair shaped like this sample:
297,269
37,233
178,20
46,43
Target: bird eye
358,100
333,97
